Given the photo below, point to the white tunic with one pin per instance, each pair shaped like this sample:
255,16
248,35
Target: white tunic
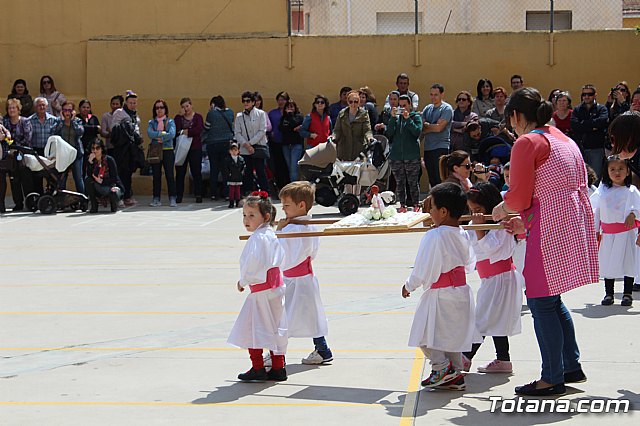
261,322
445,317
618,253
305,312
499,299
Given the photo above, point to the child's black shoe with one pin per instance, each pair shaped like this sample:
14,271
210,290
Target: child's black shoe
230,204
254,375
627,300
608,300
277,375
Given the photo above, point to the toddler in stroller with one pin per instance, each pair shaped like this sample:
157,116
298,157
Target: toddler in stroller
59,156
347,182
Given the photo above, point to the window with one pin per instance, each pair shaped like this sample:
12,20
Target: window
540,21
397,22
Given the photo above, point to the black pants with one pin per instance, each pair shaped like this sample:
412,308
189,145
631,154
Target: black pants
194,161
95,190
167,163
502,348
432,163
261,175
21,183
628,285
38,178
278,165
217,152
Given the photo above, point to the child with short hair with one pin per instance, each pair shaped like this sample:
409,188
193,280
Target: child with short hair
499,299
305,313
234,169
262,322
444,322
616,209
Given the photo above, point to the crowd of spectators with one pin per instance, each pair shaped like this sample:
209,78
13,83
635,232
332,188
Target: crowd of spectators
272,142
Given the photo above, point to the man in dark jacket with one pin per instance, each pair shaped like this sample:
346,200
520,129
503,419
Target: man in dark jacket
589,122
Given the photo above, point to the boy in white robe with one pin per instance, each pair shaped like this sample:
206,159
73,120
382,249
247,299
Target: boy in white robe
444,321
305,312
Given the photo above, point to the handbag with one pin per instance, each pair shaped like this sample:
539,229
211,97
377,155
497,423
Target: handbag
183,145
154,153
261,152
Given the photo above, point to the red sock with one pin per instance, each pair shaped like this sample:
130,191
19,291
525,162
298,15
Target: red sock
277,361
256,359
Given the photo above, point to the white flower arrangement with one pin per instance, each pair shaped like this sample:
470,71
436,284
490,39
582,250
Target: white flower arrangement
374,214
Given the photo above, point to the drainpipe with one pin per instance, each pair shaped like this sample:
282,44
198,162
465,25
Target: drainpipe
551,36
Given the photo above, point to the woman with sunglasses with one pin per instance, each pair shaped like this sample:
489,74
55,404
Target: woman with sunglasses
317,125
618,101
162,130
456,167
56,99
70,129
250,130
352,130
461,116
102,177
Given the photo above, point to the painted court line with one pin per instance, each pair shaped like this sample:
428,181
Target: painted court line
221,217
408,416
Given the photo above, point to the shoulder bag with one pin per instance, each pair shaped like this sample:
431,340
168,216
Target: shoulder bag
261,152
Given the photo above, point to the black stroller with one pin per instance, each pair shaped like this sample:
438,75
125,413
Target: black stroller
346,182
53,199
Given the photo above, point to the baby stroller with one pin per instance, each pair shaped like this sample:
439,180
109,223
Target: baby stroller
347,182
494,147
63,155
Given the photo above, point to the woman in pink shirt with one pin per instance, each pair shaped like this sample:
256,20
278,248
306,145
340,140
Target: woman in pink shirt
549,190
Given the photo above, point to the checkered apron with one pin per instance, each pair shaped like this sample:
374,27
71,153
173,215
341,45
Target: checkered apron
567,238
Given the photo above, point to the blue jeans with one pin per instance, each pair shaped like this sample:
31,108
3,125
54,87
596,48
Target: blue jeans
556,338
292,153
321,346
595,158
168,160
76,170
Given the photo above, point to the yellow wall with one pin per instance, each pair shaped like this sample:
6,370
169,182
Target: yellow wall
630,22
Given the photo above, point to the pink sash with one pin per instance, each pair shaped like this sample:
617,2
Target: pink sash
274,280
487,269
454,278
300,270
617,228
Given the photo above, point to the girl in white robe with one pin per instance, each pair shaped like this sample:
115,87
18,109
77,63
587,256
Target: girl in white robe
262,322
616,210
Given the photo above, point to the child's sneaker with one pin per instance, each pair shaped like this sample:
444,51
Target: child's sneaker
497,366
266,359
277,375
466,363
253,375
438,377
315,358
457,384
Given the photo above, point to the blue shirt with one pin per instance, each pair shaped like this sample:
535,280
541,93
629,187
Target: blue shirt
42,131
431,114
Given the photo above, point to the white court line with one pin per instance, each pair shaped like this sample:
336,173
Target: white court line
221,217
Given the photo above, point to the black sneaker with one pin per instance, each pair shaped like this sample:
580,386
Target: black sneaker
230,204
254,375
608,300
277,375
530,390
575,377
237,203
627,300
198,200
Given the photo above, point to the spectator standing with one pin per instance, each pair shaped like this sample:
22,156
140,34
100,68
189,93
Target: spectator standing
190,124
619,100
4,146
553,98
251,134
484,100
42,124
21,132
19,91
436,118
517,82
54,98
292,147
461,116
279,169
317,125
334,109
91,127
162,130
70,129
561,118
127,123
405,127
218,132
402,84
589,122
105,130
352,130
368,102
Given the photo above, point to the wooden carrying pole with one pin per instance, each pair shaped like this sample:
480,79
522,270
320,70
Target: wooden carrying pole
373,231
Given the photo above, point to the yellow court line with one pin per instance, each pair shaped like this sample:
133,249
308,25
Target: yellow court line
182,313
189,404
189,349
410,402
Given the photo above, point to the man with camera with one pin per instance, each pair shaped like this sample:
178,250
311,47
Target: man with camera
589,122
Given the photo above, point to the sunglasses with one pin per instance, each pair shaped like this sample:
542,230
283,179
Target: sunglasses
160,107
466,166
320,102
46,82
354,102
246,101
588,94
462,99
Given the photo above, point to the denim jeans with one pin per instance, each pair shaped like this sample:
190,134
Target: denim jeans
76,170
595,158
168,160
432,163
556,338
321,346
292,153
